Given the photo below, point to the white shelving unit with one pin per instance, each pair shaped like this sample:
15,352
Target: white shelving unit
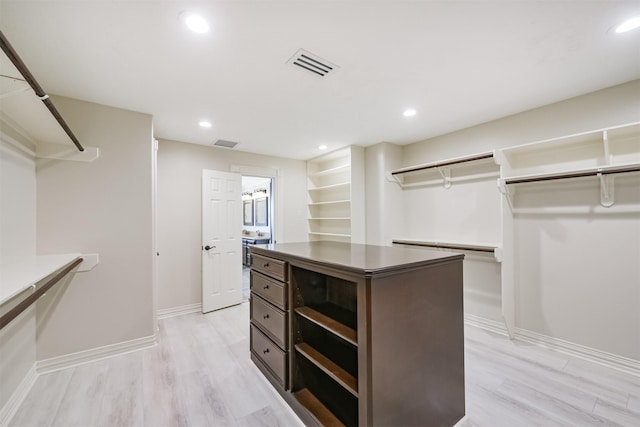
335,184
599,154
476,172
434,173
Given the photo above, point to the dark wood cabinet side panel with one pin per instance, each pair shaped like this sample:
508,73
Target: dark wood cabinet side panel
417,343
364,355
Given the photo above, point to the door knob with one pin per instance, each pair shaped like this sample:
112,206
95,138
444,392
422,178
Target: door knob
206,248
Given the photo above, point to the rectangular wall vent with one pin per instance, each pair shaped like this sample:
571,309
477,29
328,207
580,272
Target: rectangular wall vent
224,143
307,61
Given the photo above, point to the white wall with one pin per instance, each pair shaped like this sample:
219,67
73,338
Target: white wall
102,207
17,240
180,168
577,272
382,197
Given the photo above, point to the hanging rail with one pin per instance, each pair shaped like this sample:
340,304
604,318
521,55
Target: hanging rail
24,304
455,246
443,163
605,170
40,93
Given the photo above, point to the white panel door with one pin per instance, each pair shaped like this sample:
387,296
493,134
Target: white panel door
221,239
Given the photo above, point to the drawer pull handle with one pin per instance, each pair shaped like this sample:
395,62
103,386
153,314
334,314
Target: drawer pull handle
265,287
266,316
265,351
265,265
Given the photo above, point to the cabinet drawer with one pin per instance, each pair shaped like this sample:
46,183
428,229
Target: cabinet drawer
270,319
269,353
269,266
269,289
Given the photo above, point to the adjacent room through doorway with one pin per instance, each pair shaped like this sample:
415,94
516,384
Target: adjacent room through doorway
257,220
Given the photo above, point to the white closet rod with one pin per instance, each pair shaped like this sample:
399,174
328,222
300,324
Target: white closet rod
609,170
455,246
443,163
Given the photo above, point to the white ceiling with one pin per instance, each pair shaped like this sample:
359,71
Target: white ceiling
458,63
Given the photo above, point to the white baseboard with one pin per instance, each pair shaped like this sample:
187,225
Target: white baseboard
92,355
179,311
487,324
9,409
609,360
600,357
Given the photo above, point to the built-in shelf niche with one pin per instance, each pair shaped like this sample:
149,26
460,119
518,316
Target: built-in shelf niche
335,188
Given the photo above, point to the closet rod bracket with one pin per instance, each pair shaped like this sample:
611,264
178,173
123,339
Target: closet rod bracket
446,177
606,190
506,192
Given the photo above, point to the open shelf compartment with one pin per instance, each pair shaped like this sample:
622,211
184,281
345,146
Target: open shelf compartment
325,360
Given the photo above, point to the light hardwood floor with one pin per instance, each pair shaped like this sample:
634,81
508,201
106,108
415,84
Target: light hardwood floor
201,375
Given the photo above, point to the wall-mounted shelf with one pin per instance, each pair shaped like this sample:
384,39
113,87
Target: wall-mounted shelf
331,171
496,251
417,175
329,218
603,170
22,274
600,153
15,71
330,187
443,163
315,233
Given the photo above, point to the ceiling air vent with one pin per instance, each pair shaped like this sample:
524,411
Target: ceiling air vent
307,61
224,143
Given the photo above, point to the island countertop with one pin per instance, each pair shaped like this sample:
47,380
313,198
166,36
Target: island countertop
364,259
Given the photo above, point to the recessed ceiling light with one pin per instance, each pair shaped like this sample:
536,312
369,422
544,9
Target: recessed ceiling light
322,147
628,25
409,113
204,124
196,23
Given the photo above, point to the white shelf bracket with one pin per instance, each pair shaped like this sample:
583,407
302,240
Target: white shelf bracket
606,190
446,177
497,254
394,178
504,189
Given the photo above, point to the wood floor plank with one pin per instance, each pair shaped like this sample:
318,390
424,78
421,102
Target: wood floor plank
604,376
546,381
555,409
200,374
572,385
205,402
488,408
42,403
163,404
123,401
616,414
87,385
634,404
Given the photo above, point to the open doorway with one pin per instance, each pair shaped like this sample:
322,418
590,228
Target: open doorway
257,220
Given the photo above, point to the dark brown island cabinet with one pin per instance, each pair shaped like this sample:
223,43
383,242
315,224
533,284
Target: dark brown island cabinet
360,335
